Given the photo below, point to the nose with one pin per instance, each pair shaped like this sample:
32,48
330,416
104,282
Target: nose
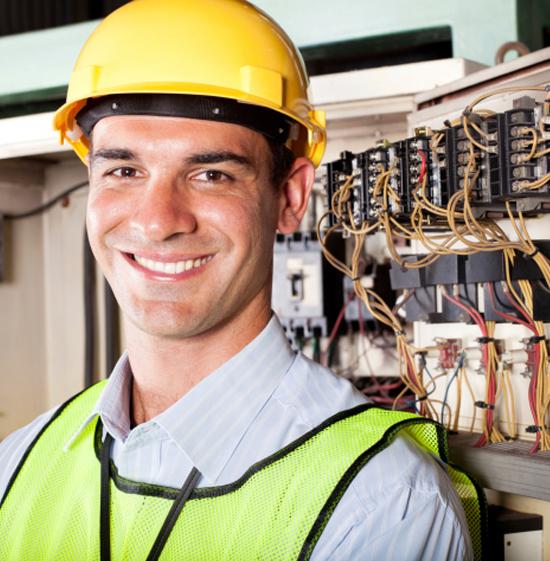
162,211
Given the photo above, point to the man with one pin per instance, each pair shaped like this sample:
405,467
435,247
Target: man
211,439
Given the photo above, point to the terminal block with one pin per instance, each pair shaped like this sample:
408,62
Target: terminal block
378,162
338,173
519,130
421,177
449,353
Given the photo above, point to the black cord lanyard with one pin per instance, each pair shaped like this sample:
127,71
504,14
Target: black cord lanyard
105,506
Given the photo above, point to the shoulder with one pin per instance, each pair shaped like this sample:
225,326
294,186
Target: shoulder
13,448
402,498
315,393
402,505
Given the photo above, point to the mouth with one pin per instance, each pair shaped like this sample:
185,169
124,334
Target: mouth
172,268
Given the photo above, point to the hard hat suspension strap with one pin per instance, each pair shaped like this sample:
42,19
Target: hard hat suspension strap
268,122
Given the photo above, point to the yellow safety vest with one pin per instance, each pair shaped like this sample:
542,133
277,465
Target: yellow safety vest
276,511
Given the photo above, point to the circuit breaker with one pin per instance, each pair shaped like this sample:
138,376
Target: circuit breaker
307,291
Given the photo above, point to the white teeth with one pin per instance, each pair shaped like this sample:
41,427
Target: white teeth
171,268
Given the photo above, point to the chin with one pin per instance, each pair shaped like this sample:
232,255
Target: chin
165,324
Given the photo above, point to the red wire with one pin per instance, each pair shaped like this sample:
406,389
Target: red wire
474,314
532,391
397,307
533,396
385,387
478,320
533,384
506,316
337,325
519,308
386,399
423,169
491,391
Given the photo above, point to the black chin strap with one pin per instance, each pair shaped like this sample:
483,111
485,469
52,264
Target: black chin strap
105,507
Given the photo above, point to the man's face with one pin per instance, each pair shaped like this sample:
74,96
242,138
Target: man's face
181,218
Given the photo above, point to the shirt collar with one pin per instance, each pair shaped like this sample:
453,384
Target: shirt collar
209,422
113,405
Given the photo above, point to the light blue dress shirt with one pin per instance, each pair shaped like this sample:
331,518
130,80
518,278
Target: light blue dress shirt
401,506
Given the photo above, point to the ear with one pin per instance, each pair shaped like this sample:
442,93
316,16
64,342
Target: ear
294,196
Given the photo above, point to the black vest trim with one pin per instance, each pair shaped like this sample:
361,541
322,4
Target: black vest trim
133,487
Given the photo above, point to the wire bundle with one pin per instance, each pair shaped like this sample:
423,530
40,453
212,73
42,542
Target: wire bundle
463,234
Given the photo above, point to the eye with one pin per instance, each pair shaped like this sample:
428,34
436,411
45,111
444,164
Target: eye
124,172
211,175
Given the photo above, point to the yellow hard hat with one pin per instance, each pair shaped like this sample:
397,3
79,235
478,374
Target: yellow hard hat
225,51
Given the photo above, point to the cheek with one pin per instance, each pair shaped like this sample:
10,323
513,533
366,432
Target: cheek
247,222
104,214
105,210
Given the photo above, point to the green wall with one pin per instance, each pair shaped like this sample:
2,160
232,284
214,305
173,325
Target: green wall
479,27
35,67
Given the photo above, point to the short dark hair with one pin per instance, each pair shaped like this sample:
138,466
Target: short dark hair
281,162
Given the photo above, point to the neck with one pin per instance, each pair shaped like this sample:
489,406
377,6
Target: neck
166,369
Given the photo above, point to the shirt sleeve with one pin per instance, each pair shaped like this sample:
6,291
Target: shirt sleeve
402,506
13,448
423,528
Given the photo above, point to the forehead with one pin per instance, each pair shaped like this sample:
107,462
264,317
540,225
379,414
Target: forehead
169,135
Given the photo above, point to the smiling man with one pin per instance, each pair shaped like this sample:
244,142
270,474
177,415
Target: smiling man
212,439
181,217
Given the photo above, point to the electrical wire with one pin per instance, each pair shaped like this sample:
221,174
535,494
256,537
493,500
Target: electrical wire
447,390
336,327
46,206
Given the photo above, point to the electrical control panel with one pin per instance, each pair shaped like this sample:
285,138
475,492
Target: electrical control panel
463,210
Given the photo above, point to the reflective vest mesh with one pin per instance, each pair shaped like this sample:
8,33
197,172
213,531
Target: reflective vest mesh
276,511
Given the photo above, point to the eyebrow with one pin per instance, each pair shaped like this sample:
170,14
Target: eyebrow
220,157
112,154
216,157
